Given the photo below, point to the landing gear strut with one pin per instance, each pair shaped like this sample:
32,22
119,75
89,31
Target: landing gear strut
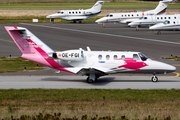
91,78
159,33
103,25
154,78
137,28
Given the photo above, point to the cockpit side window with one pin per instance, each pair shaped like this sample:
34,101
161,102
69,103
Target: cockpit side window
135,57
111,15
143,57
145,17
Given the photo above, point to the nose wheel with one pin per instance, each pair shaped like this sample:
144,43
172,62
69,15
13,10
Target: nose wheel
154,79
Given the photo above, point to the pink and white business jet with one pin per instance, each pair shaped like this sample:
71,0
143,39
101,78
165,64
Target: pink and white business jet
93,64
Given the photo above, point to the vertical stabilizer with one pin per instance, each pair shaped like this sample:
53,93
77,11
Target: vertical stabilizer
32,47
161,8
97,6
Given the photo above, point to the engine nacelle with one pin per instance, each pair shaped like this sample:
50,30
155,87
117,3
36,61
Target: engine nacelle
70,55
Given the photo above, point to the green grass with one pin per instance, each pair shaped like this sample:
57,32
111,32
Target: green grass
173,57
133,104
58,6
17,64
42,19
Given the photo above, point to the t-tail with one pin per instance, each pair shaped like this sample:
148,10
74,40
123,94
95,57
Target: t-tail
32,47
97,6
161,8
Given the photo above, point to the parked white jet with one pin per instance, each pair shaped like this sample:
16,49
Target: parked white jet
153,19
129,17
167,25
90,63
77,15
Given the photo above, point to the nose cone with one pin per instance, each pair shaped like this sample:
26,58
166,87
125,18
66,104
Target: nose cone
101,20
49,16
154,27
163,67
52,16
134,24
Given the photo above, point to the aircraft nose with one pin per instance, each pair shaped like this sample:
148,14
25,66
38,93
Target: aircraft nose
99,20
153,27
166,67
49,16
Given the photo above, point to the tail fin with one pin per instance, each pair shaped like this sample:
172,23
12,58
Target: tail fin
161,8
32,47
97,6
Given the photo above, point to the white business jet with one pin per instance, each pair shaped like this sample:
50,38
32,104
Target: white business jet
167,25
90,63
77,15
152,20
129,17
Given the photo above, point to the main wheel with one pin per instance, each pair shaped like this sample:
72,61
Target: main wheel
89,80
154,79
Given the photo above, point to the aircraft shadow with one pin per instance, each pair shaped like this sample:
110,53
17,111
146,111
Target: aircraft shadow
100,81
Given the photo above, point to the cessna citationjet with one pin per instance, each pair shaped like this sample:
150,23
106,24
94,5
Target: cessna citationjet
131,16
167,25
77,15
93,64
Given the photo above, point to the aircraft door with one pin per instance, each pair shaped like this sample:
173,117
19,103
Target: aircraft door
90,59
153,18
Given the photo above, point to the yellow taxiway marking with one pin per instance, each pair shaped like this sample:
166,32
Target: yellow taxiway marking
177,75
176,64
7,40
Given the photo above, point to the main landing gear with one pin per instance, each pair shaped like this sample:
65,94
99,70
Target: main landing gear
154,78
91,78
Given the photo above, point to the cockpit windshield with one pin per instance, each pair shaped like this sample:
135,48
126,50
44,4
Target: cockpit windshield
143,57
166,22
60,12
141,18
107,15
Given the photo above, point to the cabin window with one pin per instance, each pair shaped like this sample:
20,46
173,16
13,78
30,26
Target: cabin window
79,12
100,57
73,12
137,14
174,17
174,22
169,17
122,15
132,15
158,18
123,57
125,15
143,57
168,22
107,57
161,17
76,12
164,17
111,15
128,15
115,57
69,12
135,57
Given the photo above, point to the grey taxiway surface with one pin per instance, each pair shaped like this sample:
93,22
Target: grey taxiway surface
115,37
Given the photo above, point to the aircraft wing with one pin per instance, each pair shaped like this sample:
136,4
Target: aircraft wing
76,18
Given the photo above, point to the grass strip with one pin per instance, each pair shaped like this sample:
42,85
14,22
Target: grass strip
76,103
18,64
62,6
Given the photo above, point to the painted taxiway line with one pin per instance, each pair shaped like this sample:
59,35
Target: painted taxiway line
112,35
7,40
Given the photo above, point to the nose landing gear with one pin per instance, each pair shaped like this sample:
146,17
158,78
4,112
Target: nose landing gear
154,78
